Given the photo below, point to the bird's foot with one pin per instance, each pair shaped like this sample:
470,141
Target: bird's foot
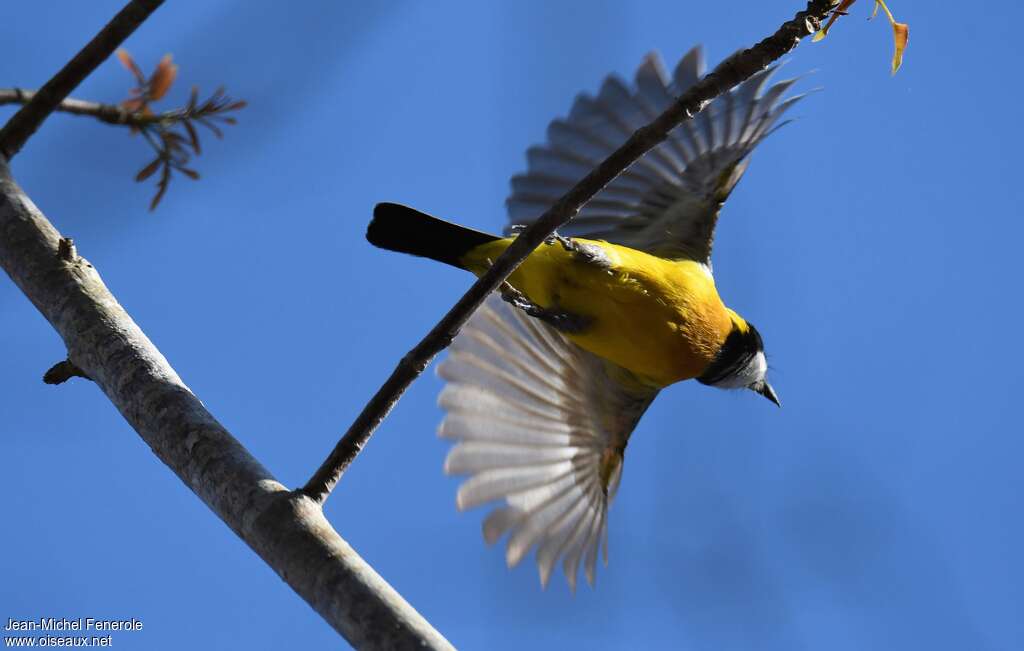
558,319
567,242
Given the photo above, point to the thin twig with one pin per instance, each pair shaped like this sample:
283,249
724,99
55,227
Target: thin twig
25,122
730,72
108,113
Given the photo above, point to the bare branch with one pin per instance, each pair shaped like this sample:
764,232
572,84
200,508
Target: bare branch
171,147
25,122
286,529
109,113
730,72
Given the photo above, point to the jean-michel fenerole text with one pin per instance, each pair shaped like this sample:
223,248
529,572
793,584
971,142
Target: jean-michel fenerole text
77,624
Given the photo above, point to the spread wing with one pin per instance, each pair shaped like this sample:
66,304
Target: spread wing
541,425
667,203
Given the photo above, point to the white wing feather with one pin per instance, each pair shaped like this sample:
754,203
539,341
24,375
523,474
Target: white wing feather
534,416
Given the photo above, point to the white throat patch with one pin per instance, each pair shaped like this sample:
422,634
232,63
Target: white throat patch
754,371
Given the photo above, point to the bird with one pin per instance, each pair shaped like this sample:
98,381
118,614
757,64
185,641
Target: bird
547,381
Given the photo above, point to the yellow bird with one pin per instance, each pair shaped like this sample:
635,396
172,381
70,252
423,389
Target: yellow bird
545,388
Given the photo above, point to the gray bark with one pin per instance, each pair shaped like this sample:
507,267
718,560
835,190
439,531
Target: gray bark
287,529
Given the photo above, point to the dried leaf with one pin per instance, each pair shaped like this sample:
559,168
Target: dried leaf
128,62
173,147
211,126
193,137
148,170
165,179
162,78
900,31
900,34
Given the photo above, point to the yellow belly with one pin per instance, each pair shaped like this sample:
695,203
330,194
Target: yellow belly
660,319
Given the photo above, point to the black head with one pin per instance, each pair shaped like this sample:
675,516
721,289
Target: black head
740,363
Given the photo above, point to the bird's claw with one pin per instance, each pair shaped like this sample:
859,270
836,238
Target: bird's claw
517,299
567,242
562,321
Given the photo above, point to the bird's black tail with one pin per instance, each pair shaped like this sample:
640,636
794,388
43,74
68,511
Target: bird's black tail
403,229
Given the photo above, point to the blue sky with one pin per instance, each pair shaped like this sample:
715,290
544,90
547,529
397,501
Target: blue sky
875,242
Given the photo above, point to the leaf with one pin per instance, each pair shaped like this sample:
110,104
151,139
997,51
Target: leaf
900,34
148,170
192,174
162,78
193,137
235,106
211,126
165,179
128,62
900,31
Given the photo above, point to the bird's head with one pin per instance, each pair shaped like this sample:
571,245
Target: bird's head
740,362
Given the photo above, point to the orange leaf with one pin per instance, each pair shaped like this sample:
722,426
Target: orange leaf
162,78
128,62
900,31
900,34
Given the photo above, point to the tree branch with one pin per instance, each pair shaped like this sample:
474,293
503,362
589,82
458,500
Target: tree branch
109,113
286,529
727,74
25,122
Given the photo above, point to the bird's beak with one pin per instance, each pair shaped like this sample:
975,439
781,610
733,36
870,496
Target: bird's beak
767,391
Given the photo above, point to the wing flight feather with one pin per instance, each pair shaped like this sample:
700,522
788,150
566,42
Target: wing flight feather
541,425
667,203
